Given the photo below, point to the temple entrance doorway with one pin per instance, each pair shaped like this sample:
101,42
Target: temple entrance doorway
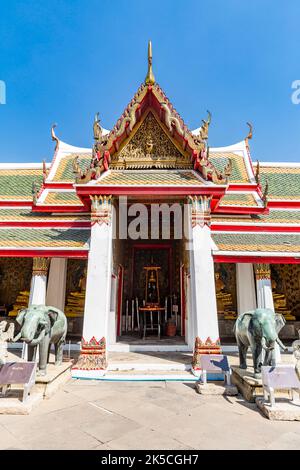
150,311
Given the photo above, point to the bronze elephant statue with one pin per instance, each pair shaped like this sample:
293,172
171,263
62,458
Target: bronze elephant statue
42,326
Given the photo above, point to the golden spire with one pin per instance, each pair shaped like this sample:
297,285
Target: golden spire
150,79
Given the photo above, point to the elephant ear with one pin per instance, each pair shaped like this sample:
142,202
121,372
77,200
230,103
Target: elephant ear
279,322
53,314
241,318
20,316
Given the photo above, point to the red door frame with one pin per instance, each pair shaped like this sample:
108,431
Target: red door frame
120,298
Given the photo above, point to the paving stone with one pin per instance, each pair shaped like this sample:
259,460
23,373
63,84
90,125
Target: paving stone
287,441
146,438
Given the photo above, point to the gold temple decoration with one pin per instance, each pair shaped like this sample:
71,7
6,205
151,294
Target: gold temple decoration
97,128
35,191
224,299
280,303
257,173
76,299
40,266
92,355
249,136
149,146
45,171
265,194
152,296
203,131
150,79
21,301
262,271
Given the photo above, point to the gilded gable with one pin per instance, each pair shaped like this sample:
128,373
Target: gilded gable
149,146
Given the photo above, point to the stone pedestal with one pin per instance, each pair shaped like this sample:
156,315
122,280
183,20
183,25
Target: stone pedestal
56,376
284,410
44,387
12,404
250,387
216,389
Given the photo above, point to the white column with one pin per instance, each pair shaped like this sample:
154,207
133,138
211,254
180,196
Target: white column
264,286
265,296
92,362
56,289
38,289
38,281
245,284
202,285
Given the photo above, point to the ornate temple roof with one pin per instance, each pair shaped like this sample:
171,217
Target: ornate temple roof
258,243
151,151
16,181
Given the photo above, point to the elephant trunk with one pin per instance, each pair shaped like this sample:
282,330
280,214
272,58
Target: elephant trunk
267,346
37,340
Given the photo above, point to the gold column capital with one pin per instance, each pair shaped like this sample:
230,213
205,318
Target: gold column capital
262,271
40,266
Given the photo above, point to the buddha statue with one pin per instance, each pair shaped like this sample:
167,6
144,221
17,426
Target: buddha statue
280,302
224,299
76,299
21,301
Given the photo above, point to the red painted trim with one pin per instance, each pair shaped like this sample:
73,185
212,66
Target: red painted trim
241,210
16,203
284,204
182,299
256,259
253,228
58,185
86,191
45,224
9,253
59,208
248,187
120,298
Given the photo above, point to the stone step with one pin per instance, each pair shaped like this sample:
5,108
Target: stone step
148,376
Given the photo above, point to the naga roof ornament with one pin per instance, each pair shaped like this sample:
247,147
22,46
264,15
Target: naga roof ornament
201,157
100,157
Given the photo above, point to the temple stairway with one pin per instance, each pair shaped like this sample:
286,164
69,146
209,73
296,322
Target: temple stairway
150,366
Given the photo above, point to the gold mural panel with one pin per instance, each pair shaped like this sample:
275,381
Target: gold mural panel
150,147
225,284
286,288
15,276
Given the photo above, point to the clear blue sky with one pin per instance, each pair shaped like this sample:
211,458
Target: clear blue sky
63,60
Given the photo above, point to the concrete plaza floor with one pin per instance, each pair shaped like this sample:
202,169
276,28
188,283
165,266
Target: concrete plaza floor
153,415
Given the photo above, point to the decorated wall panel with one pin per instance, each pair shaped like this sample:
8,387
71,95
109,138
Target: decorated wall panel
15,276
286,288
225,283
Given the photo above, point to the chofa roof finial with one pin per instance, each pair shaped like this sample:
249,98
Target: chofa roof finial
53,135
150,79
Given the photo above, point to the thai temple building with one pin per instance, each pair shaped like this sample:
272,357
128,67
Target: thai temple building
151,238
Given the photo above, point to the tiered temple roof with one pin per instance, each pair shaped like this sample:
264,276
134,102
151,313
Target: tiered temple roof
150,151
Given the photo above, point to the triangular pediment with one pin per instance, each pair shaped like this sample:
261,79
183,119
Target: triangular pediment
150,145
